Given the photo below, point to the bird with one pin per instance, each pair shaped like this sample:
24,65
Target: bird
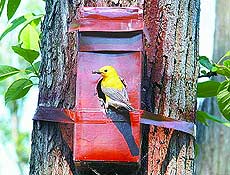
111,90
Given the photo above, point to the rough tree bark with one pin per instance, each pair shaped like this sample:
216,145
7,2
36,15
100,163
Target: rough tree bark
171,75
50,154
169,83
214,140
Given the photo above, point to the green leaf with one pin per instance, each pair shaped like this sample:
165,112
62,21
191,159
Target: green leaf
222,70
29,38
12,6
226,63
214,69
28,18
203,116
223,99
18,89
7,71
227,54
207,89
27,54
15,23
34,21
204,61
36,66
2,4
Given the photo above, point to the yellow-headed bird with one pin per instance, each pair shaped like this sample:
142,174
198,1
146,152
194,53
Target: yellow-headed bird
113,88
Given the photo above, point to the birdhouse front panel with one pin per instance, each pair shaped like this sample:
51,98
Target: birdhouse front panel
107,124
97,138
128,65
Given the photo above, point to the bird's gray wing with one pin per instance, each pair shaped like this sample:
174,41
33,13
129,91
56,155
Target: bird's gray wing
117,98
124,89
116,95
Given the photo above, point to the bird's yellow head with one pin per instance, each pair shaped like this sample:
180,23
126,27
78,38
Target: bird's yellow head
107,71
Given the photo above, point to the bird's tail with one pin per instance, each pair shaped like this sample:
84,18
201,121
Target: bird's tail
124,127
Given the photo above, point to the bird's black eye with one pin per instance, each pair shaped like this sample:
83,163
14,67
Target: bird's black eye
106,70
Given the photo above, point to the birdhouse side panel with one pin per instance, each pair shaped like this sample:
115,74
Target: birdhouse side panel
112,136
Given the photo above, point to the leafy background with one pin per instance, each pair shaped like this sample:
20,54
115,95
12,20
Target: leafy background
20,28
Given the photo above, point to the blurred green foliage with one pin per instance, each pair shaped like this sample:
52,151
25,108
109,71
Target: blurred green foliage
211,88
19,48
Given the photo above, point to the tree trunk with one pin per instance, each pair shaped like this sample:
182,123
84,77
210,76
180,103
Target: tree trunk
214,140
169,85
50,154
170,82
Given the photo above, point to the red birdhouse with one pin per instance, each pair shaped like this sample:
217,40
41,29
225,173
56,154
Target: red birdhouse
108,36
103,132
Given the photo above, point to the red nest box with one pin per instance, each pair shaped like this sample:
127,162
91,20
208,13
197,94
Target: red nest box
108,36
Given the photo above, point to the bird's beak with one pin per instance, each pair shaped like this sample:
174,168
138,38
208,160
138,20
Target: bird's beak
96,72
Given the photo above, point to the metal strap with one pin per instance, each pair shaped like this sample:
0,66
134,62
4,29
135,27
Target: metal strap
54,115
68,116
166,122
